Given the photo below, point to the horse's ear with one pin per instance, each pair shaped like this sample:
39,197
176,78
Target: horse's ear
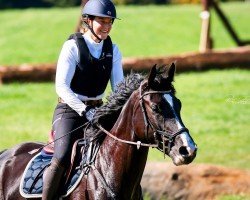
171,72
152,75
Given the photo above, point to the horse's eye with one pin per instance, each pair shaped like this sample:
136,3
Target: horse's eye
156,108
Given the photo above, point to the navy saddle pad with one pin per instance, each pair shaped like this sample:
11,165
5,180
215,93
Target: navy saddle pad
32,180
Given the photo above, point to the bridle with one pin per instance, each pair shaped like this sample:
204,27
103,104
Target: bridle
165,135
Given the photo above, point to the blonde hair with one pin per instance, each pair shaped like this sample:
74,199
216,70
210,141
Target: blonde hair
84,19
83,28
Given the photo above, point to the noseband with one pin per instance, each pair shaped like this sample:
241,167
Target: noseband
165,135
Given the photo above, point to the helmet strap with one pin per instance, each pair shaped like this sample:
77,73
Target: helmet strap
92,31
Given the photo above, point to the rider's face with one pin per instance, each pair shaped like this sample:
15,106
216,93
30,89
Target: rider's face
101,26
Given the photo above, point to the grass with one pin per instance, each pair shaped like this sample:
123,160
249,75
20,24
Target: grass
216,109
233,197
26,110
37,35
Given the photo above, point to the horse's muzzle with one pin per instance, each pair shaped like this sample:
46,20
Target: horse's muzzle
183,155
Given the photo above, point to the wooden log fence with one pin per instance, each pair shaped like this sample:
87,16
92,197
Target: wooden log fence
193,61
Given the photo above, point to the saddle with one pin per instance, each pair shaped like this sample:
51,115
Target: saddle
49,148
83,155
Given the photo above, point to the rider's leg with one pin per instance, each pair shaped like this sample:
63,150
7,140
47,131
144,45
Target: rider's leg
65,121
52,178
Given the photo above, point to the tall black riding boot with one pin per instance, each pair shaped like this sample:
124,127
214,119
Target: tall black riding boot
51,180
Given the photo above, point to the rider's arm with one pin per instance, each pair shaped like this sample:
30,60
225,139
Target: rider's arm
66,66
117,71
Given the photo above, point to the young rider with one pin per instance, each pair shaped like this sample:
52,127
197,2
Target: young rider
86,63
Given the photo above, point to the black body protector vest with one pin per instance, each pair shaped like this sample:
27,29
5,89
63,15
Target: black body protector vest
92,75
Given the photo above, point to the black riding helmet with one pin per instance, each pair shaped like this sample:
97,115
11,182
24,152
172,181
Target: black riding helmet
99,8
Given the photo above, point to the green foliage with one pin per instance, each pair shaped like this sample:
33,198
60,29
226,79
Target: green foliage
68,3
64,3
23,4
140,2
38,3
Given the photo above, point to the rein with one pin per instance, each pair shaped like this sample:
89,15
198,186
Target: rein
138,143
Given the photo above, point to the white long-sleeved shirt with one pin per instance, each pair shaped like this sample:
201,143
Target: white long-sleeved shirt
66,65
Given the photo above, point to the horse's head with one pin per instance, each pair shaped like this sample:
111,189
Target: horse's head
159,120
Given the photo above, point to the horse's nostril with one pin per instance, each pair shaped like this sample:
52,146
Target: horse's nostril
183,151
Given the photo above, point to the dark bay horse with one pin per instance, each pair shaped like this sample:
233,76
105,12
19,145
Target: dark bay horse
142,112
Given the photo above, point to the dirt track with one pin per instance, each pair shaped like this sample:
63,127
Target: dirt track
163,180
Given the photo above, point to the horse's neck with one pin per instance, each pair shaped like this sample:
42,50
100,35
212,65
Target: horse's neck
125,162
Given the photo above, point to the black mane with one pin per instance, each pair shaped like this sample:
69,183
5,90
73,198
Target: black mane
116,100
107,114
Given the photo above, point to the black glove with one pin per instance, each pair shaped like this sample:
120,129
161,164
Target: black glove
89,113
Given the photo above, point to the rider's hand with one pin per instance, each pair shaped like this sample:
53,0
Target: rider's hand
89,113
